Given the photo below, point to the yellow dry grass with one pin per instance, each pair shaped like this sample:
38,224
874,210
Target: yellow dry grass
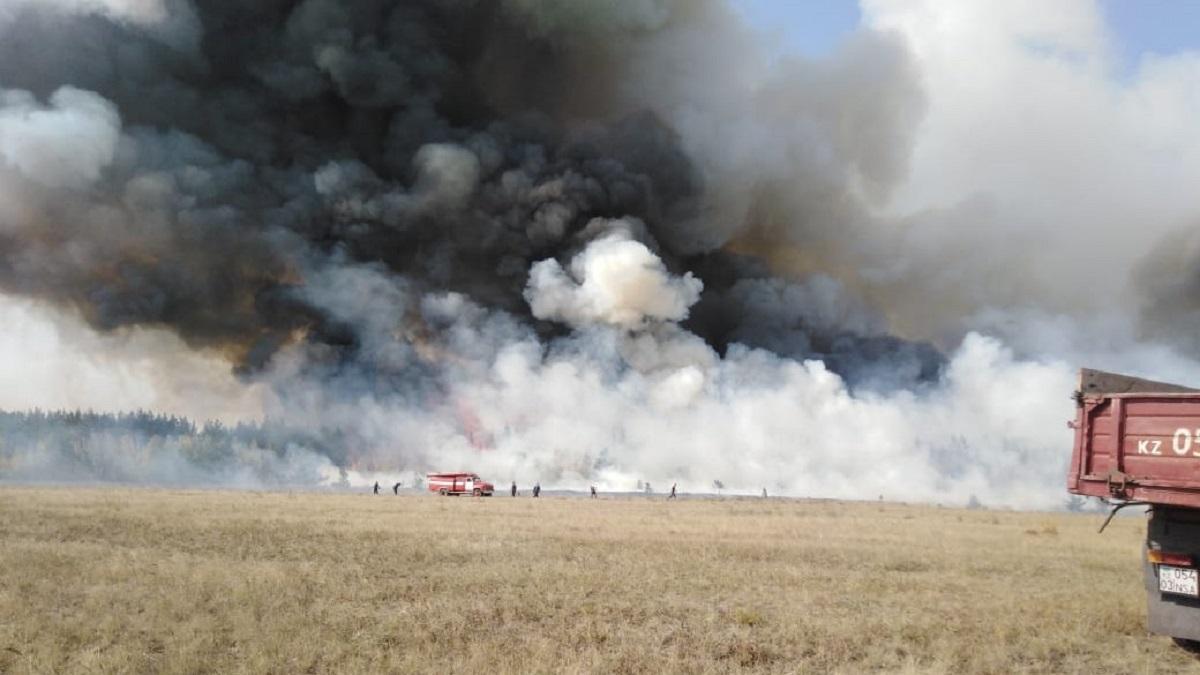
125,580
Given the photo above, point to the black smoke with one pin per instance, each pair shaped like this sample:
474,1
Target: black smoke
446,144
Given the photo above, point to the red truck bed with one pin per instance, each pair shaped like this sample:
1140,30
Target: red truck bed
1136,440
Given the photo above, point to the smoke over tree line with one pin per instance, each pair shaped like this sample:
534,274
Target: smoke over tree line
142,447
580,241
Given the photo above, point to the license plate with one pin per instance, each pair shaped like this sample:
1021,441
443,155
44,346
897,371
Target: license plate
1179,580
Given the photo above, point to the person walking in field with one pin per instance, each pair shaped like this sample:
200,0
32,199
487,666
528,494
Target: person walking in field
672,495
537,489
396,489
514,488
593,492
376,487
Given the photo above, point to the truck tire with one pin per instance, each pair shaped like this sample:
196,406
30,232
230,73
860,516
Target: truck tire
477,492
443,492
1187,645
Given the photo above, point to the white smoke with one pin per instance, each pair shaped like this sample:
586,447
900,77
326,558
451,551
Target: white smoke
1045,169
173,22
615,280
49,359
137,11
63,145
613,409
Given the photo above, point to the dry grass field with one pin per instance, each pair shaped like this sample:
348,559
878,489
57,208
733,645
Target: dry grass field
123,580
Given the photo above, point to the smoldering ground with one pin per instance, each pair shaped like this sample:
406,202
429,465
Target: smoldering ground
582,242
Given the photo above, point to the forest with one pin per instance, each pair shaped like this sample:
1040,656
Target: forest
144,447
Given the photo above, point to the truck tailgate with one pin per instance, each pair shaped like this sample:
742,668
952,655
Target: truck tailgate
1138,446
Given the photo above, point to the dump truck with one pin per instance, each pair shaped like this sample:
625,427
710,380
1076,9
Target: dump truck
459,483
1137,442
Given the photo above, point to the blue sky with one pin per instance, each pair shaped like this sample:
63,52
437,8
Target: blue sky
814,27
809,27
1153,26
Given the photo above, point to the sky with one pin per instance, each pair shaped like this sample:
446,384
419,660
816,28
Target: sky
814,27
811,28
1153,26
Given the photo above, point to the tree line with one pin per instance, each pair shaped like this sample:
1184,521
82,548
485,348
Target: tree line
149,447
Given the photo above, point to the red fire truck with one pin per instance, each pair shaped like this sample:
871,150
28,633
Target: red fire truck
1138,442
459,483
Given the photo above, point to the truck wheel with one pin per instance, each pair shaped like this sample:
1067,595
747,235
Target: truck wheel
442,492
1188,645
477,492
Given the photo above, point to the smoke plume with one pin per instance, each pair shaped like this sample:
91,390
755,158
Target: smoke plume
578,242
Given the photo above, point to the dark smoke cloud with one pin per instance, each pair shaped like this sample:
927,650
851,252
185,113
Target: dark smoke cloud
595,241
450,144
591,240
1169,283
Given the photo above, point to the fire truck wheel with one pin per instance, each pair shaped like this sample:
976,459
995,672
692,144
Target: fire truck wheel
477,492
442,492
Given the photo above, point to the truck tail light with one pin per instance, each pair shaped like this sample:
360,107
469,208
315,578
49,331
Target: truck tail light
1175,559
